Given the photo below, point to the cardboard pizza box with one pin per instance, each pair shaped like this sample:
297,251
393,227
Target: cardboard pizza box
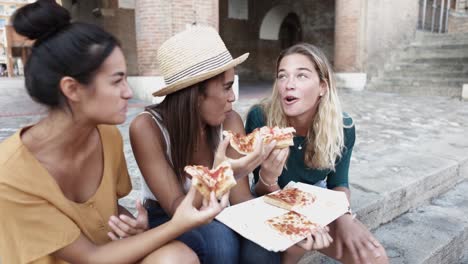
248,218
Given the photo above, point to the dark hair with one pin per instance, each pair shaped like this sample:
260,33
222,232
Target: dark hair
181,116
61,49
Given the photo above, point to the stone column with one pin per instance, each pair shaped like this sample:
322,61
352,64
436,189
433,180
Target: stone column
349,54
349,35
158,20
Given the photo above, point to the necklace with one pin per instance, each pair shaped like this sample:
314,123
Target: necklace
300,145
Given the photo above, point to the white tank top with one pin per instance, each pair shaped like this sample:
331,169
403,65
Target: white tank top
145,190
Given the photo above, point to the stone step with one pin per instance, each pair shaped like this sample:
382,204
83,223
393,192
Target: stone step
431,39
436,61
423,82
417,90
454,51
431,234
442,67
420,74
408,177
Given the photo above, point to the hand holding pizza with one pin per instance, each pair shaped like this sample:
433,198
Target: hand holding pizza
187,216
317,239
273,165
246,164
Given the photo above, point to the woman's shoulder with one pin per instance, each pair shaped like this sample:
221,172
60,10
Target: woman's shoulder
348,121
349,130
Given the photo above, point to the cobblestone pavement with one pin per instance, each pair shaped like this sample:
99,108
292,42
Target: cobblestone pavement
385,124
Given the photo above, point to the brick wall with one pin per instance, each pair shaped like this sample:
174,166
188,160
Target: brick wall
458,23
349,36
158,20
317,20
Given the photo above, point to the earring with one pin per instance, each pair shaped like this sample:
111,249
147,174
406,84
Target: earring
321,94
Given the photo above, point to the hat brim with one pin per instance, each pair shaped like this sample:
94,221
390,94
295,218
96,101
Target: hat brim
184,83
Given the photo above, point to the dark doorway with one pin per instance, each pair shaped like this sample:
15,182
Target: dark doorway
290,31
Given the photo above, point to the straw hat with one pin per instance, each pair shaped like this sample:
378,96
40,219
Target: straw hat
192,56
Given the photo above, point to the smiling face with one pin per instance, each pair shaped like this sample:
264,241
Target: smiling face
299,86
216,101
106,98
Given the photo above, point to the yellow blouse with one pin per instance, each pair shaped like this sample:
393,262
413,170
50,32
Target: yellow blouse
36,219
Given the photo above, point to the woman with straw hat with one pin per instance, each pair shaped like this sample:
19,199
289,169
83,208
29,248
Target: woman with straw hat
304,96
185,128
61,178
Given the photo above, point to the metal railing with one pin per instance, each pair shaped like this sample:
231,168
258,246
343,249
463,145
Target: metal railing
438,11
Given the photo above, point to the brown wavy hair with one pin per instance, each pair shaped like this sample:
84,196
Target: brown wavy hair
181,116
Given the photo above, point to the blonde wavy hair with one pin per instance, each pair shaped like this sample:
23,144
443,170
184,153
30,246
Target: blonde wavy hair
325,139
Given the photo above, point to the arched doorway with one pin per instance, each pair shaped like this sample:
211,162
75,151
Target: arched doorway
290,31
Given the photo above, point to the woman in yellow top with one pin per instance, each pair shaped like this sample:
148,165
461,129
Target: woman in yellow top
60,178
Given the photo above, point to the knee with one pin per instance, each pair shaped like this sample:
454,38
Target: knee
174,252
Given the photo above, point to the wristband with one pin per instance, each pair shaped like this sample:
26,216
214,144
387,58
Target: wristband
350,212
265,183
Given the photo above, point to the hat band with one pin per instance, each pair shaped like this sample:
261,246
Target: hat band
206,65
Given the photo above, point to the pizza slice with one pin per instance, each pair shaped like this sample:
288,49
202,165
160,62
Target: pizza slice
291,225
220,180
283,136
245,144
290,198
242,144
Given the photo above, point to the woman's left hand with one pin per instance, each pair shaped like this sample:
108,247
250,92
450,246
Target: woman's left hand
318,239
353,235
126,226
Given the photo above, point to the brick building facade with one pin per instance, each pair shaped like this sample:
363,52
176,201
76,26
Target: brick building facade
357,36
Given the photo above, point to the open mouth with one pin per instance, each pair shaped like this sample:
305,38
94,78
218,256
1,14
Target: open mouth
290,99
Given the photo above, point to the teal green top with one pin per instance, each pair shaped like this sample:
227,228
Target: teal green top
296,169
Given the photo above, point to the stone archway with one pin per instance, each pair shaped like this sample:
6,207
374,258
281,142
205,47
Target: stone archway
290,31
271,23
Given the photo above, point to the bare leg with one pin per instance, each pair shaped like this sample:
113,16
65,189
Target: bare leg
173,252
292,255
347,257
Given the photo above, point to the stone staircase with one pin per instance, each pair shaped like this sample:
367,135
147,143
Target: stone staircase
434,64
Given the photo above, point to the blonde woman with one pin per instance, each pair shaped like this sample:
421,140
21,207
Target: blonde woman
304,97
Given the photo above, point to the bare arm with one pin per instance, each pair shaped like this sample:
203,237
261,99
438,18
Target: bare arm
134,248
148,147
240,192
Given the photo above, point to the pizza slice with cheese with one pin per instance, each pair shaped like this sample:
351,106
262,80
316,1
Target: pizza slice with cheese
220,179
290,198
291,225
283,136
245,144
242,144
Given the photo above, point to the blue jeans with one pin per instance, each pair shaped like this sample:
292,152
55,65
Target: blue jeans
252,253
213,243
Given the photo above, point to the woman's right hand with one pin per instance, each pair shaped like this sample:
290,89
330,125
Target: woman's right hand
246,164
273,165
188,216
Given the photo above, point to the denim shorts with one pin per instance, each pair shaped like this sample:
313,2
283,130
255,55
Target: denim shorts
216,243
213,242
